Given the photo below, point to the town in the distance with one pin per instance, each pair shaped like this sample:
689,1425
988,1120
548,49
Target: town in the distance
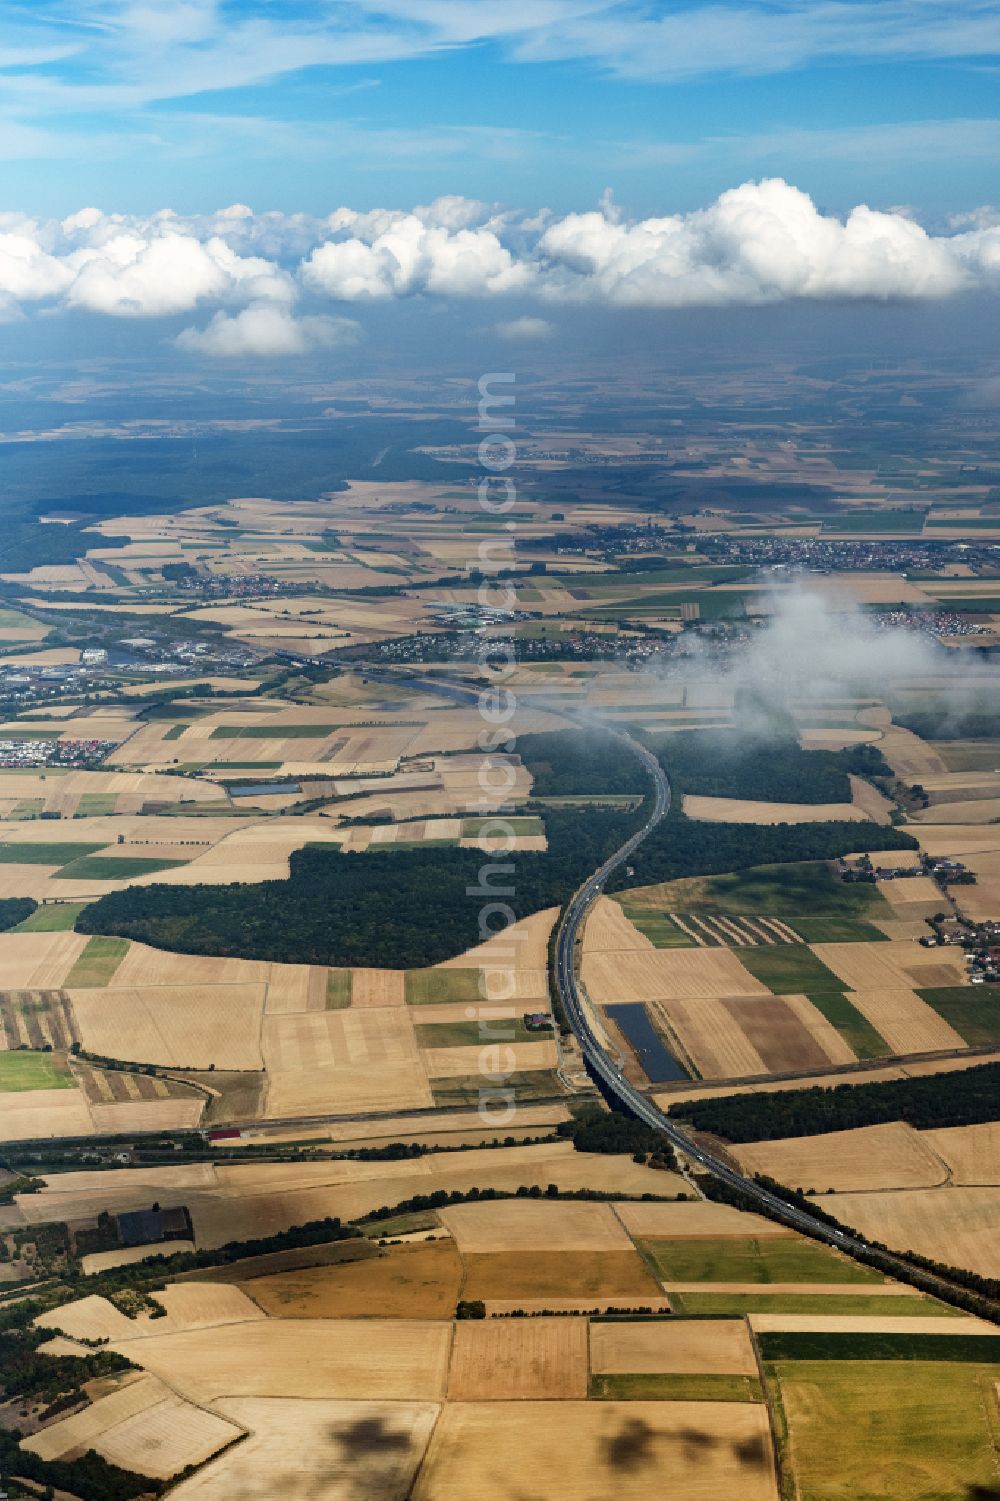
500,954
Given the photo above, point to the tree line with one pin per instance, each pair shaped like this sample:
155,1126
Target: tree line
966,1097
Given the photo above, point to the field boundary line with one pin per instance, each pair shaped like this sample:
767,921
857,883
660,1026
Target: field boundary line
772,1403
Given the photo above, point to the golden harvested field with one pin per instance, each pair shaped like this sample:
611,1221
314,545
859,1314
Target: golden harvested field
710,1034
524,945
590,1277
199,1305
90,1318
739,810
503,1360
530,1225
148,966
683,1221
147,1115
296,987
37,961
608,930
44,1113
316,1451
779,1032
683,1345
502,1058
664,974
180,1026
378,987
829,1041
906,1022
398,1128
418,1281
143,1426
914,891
887,1156
972,1153
891,966
957,1226
591,1451
134,1395
342,1061
910,757
316,1358
102,1261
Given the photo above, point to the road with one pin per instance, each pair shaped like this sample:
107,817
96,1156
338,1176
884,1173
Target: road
606,1071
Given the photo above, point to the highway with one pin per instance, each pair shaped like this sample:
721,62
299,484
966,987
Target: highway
603,1068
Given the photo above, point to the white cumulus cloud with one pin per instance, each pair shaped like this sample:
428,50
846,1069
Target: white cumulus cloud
390,255
523,330
268,331
761,242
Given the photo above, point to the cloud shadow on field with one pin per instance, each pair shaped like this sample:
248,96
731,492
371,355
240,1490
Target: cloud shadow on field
631,1446
370,1436
752,1451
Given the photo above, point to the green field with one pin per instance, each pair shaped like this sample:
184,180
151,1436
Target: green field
246,765
113,868
937,1349
868,1305
660,929
412,844
20,1070
662,1387
96,804
804,888
97,964
737,1259
966,523
273,731
837,930
16,621
45,854
176,730
425,987
468,1034
887,1431
973,1010
339,988
789,969
55,917
472,828
856,1030
876,521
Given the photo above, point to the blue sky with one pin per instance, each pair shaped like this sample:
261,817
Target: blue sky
303,105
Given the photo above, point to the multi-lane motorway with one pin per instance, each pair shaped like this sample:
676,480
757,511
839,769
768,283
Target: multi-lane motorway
603,1067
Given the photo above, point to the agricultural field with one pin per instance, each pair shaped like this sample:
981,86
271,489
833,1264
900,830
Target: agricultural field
418,1281
519,1359
777,1259
708,1449
905,1428
306,1083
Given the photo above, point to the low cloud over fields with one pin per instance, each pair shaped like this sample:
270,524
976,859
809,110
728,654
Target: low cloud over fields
763,242
811,649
